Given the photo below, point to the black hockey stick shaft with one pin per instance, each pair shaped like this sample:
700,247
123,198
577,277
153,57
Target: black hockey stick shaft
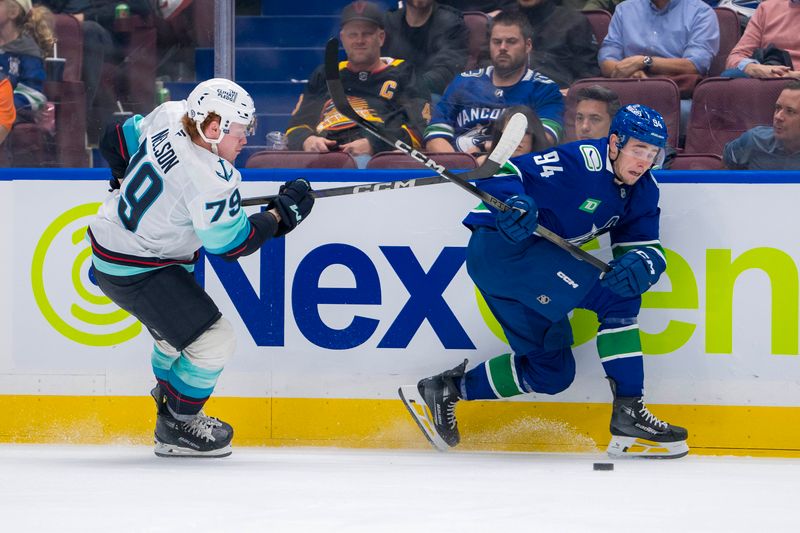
339,97
512,135
356,189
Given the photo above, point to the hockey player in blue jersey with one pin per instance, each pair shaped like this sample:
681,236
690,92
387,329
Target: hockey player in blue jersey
578,190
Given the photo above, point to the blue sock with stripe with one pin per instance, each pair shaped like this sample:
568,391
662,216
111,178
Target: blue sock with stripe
620,350
496,378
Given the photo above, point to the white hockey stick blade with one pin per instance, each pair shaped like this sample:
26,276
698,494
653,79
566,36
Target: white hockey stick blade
422,415
512,135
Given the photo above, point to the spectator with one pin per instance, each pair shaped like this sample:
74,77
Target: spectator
8,113
98,48
681,37
492,7
770,148
462,118
382,89
605,5
25,37
774,23
564,46
596,106
432,38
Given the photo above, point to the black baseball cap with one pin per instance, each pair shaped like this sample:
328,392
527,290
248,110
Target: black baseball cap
362,10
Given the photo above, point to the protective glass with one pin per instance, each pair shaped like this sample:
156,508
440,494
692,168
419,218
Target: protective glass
241,131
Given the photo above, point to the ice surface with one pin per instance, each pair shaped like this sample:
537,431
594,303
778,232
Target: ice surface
125,488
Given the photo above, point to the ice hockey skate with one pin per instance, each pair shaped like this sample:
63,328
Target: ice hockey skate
432,404
197,436
636,432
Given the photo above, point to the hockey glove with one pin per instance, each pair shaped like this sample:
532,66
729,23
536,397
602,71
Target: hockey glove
294,203
631,274
519,222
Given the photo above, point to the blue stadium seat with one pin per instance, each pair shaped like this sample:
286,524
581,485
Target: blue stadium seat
269,96
311,7
285,30
265,64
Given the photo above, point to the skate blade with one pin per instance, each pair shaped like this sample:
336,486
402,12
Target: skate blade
422,416
648,449
170,450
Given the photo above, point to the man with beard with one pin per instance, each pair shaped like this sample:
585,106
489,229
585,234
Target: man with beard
474,100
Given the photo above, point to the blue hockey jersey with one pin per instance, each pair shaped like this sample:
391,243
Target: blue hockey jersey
472,102
574,188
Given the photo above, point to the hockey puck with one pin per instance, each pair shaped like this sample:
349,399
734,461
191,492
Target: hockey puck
603,466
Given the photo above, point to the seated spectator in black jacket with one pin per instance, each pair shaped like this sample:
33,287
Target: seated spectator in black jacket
770,148
431,37
383,90
492,7
564,46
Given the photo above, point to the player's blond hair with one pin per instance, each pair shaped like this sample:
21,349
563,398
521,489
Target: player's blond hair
190,126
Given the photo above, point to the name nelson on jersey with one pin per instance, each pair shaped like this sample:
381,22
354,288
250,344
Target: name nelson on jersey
164,153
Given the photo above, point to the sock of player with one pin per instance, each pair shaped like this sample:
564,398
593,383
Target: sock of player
493,379
620,350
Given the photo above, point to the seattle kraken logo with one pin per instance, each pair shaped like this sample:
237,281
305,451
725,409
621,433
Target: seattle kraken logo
225,174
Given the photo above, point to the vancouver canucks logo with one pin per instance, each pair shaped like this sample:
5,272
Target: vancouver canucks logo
225,174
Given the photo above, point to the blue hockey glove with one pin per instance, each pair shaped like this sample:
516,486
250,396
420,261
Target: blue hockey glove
631,274
518,223
294,203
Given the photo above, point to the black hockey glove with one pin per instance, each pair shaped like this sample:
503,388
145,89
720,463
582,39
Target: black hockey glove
294,203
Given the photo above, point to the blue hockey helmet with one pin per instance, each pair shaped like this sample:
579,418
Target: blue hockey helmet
639,122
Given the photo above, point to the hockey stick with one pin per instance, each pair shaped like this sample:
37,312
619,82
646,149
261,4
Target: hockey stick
512,135
339,97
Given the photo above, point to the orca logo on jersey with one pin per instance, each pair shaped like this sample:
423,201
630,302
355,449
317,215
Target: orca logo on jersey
229,95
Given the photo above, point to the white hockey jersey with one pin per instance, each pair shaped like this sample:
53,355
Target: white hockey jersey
176,197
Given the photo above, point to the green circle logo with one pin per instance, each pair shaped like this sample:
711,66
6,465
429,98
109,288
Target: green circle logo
85,316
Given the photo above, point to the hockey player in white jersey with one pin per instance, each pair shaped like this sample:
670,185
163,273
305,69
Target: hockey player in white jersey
180,192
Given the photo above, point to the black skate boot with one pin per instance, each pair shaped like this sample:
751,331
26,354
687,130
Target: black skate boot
189,435
432,403
636,432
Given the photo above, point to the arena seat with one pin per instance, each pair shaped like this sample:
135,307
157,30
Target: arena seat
450,160
599,20
724,108
729,33
291,159
697,162
661,94
478,42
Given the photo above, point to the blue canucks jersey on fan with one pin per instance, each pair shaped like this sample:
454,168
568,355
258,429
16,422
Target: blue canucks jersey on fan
472,102
578,198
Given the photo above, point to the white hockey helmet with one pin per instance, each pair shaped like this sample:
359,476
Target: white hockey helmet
225,98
